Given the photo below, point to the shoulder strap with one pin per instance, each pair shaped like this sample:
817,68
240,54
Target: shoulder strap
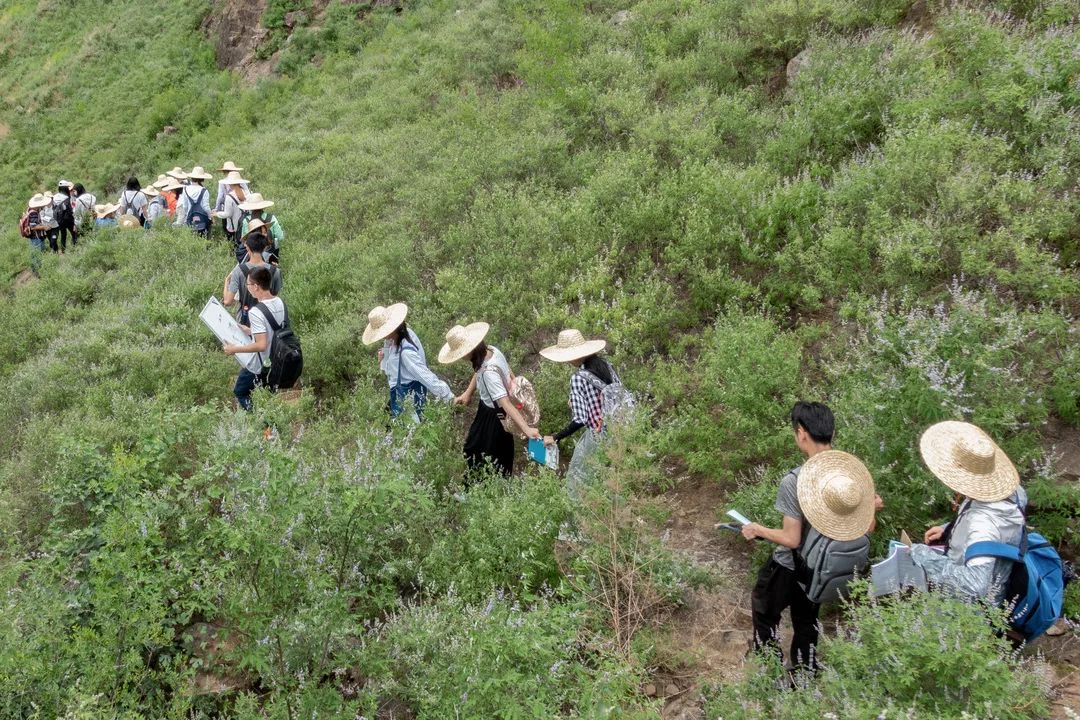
266,313
989,548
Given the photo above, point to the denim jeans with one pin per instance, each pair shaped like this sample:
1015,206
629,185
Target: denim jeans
37,246
246,382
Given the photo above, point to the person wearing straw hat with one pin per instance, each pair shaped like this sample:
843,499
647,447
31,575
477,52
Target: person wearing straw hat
157,209
403,361
487,441
106,215
255,208
969,462
227,169
38,230
177,173
229,210
193,203
592,374
171,192
777,586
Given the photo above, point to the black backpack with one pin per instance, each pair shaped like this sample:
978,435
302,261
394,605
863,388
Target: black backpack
247,300
286,359
197,219
63,215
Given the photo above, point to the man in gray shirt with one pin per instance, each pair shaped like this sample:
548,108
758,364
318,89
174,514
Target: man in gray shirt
236,281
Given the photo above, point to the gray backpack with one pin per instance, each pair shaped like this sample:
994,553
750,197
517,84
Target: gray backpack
824,567
617,404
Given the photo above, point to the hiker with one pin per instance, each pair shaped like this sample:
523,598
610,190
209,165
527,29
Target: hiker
255,207
193,203
133,201
230,210
171,192
235,286
591,375
227,169
64,214
403,361
105,215
47,222
82,207
262,335
157,209
777,587
487,441
968,462
36,230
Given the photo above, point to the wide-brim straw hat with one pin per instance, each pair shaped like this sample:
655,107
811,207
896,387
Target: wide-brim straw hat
151,191
98,208
162,181
836,494
128,221
254,225
964,457
173,184
38,201
572,345
384,320
177,172
230,166
106,210
48,194
197,173
234,178
255,201
460,341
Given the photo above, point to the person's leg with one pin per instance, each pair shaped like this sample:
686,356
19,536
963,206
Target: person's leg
804,622
767,601
503,452
64,238
52,235
245,385
37,247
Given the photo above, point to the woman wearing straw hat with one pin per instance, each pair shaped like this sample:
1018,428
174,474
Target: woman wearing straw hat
171,192
230,210
403,361
227,169
157,209
38,230
193,203
591,375
106,215
967,461
487,441
256,206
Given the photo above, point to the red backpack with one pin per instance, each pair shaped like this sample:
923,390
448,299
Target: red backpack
24,225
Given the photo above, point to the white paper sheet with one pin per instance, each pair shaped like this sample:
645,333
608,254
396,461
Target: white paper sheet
224,326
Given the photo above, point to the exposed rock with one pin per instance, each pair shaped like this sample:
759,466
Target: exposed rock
294,18
796,65
621,18
649,690
671,689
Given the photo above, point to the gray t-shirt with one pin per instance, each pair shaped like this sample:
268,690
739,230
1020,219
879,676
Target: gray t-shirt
787,503
236,278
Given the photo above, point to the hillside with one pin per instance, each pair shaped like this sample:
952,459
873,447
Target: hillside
869,203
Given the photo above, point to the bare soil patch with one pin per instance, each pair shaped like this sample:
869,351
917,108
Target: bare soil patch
235,28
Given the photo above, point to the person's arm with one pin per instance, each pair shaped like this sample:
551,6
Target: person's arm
879,504
466,397
790,535
257,344
219,203
515,415
411,362
571,427
972,579
228,294
276,233
181,209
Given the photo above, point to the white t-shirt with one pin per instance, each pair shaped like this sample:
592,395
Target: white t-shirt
133,202
259,325
489,381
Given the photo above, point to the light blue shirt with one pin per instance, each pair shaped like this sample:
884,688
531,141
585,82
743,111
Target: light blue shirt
414,367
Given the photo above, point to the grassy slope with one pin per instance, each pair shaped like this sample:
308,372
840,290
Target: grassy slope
536,164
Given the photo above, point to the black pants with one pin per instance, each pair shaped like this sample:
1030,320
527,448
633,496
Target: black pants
487,442
775,590
64,231
53,235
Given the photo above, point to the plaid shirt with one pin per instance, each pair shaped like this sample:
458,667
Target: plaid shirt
585,403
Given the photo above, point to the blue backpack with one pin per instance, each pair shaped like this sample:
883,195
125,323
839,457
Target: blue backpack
197,218
1036,584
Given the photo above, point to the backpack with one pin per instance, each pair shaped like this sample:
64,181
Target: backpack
63,214
197,218
824,567
1035,590
128,206
286,359
24,225
247,300
617,404
522,394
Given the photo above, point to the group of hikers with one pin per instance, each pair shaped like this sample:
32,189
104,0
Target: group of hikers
828,504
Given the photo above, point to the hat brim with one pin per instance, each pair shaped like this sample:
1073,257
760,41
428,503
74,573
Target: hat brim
177,175
128,222
814,475
200,177
230,169
161,184
257,205
235,181
936,447
475,334
44,202
396,315
584,350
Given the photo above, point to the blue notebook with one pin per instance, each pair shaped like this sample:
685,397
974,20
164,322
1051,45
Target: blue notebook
538,451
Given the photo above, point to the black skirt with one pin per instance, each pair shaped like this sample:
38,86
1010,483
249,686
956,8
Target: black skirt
487,442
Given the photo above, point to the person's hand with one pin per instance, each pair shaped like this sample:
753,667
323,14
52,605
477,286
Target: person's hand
229,348
549,440
879,504
750,531
532,433
461,400
380,354
933,534
245,328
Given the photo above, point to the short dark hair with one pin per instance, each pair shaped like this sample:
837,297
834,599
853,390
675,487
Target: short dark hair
256,242
78,188
261,276
133,183
815,418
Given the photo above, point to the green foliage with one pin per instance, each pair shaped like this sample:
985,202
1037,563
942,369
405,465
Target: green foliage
924,656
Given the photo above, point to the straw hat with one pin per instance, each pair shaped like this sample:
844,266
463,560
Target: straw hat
572,345
128,222
233,178
103,211
255,202
162,181
460,341
384,320
229,166
964,457
151,191
178,173
836,494
48,194
38,201
197,173
173,184
255,225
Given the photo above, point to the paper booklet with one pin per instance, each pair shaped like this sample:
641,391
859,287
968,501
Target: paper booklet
540,453
897,571
221,322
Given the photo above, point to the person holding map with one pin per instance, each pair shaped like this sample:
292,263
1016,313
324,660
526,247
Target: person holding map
262,335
